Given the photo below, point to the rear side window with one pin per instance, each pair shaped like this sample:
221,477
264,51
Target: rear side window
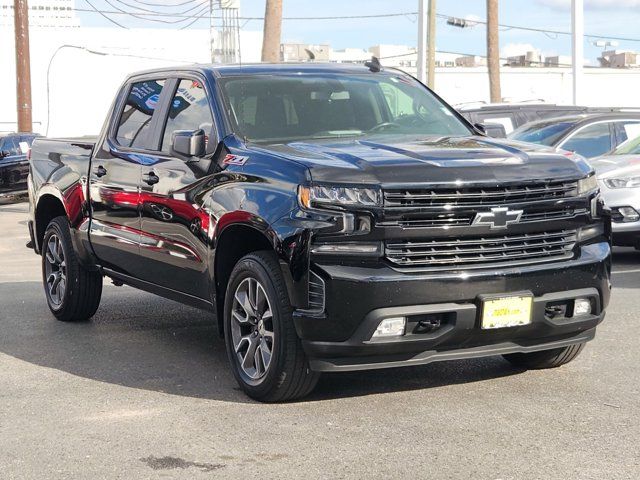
135,120
627,130
189,111
591,141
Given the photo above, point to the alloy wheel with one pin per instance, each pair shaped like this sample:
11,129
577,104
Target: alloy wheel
252,328
55,270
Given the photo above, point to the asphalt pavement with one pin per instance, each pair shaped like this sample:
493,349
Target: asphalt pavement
143,391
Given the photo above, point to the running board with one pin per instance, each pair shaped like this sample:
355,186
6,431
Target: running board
163,292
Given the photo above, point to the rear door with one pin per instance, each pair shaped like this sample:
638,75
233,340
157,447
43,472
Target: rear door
115,176
174,227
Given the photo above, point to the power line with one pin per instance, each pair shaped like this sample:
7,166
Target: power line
102,14
144,9
352,17
164,5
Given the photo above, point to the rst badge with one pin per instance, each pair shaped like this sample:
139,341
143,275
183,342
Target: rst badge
498,217
230,159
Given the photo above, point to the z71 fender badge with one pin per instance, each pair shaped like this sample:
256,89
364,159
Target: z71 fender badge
234,160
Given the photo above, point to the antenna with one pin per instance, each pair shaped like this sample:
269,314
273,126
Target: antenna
373,65
310,54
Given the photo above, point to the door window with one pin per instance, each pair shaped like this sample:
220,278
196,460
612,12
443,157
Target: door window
591,141
11,146
135,121
627,130
189,111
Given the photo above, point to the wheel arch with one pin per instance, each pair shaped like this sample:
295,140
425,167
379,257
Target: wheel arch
234,241
49,206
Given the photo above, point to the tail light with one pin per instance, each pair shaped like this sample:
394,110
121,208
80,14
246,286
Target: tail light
29,154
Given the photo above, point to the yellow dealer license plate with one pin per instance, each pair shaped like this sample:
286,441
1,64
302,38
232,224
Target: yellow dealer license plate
506,311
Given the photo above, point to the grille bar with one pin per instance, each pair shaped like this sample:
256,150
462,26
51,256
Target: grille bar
419,197
483,252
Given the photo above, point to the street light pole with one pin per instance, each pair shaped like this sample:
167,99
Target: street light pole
422,40
577,44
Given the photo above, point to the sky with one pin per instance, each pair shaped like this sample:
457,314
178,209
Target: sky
604,18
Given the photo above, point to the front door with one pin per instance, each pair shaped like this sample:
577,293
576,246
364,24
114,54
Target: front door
174,227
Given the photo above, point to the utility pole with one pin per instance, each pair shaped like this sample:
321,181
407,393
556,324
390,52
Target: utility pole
577,47
493,51
431,45
23,65
422,40
272,31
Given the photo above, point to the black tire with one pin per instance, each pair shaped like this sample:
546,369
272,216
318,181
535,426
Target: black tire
287,376
545,358
80,297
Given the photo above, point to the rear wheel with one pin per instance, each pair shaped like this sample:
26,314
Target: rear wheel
263,347
73,292
545,358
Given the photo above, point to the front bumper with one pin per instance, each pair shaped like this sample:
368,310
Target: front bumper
358,298
624,234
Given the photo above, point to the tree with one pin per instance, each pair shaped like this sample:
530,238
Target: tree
272,31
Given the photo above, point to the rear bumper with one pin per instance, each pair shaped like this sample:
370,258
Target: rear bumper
358,298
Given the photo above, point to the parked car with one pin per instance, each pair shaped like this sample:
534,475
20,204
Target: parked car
589,135
14,166
619,178
514,115
334,217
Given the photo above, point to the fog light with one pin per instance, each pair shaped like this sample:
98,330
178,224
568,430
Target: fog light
390,327
581,306
629,214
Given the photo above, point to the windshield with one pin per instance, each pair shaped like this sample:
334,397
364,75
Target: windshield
280,108
547,133
630,147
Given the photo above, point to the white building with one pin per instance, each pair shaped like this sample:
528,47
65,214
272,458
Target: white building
82,68
619,59
350,55
42,13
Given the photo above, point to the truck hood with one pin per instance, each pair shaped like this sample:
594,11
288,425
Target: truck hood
393,160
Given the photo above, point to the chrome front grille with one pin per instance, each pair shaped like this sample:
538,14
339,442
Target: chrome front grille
466,218
482,252
410,198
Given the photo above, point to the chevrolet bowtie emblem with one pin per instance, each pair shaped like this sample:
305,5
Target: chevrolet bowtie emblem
498,217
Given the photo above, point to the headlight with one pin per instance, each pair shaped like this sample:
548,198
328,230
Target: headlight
318,195
586,185
630,182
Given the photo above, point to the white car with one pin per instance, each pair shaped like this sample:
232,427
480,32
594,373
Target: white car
619,178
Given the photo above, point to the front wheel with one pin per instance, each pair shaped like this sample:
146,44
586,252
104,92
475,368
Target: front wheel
263,347
545,358
73,292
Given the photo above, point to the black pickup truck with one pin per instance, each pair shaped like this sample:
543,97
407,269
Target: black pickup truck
334,217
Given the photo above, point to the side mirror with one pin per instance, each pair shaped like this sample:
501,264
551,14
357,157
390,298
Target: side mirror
495,130
5,153
187,144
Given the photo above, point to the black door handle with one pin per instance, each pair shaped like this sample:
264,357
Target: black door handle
101,171
150,178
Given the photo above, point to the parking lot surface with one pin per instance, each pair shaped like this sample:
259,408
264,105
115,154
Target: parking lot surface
143,391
